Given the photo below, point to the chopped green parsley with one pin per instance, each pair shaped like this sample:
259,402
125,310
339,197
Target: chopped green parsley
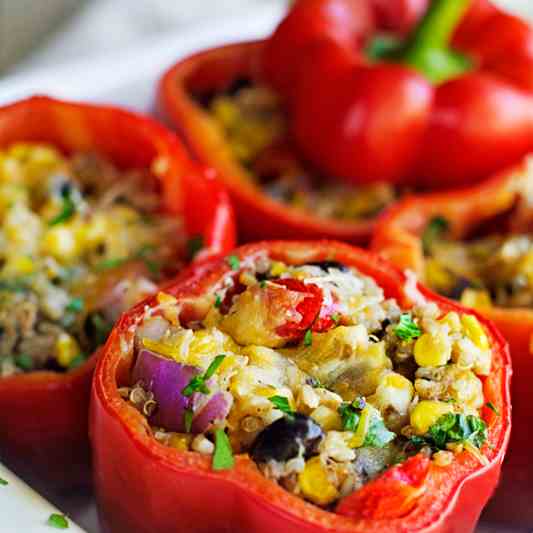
68,209
198,383
187,420
282,403
454,428
24,361
223,457
75,305
308,338
406,328
58,521
435,229
234,262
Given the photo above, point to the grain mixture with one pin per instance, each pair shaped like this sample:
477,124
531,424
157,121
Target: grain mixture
314,373
81,242
255,126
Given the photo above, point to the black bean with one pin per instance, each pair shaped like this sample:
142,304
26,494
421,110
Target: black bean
287,438
326,265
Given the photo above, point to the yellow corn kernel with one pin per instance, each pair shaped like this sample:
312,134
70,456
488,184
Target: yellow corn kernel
225,111
397,381
376,356
476,298
19,265
394,391
166,299
362,428
265,391
60,242
474,331
241,151
66,349
453,321
228,363
123,215
247,278
443,458
211,341
163,348
172,314
432,350
314,483
426,413
328,419
277,268
93,232
437,276
33,161
11,194
10,171
180,441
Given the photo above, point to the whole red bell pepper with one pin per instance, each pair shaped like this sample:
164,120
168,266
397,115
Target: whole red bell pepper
398,238
43,414
259,216
447,105
144,486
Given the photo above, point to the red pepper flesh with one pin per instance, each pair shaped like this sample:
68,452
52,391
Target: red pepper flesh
144,486
43,415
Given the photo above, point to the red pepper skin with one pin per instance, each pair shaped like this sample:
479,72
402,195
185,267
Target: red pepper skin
374,104
479,123
348,24
398,16
43,415
170,491
464,119
258,215
397,239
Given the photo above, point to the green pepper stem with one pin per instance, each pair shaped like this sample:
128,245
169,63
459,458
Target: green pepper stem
427,48
436,28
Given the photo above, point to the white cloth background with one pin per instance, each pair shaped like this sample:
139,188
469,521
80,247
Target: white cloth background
102,26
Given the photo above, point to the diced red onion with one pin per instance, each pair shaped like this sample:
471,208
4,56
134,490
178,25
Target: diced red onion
215,410
166,379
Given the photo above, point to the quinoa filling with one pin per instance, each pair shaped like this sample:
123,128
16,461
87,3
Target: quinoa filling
81,242
310,370
493,269
255,126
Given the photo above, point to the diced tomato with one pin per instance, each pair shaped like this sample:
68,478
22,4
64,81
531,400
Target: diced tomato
236,288
314,316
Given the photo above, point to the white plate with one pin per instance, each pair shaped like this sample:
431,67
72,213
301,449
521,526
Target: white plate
126,78
22,509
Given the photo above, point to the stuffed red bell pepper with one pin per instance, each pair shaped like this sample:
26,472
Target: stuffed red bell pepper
298,387
96,208
445,106
475,246
231,121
